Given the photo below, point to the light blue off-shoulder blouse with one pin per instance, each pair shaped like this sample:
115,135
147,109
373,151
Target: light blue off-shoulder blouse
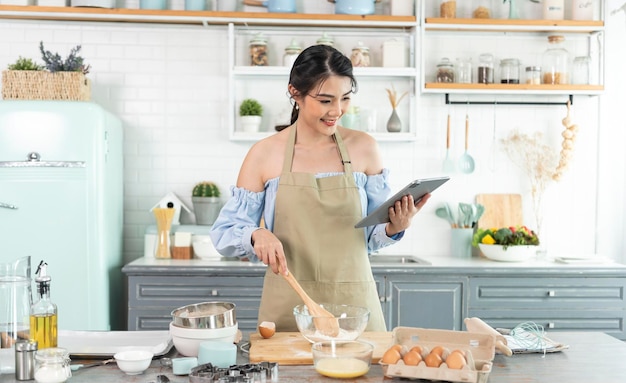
231,233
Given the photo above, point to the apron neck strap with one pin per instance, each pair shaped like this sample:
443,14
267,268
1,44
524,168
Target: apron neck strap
291,142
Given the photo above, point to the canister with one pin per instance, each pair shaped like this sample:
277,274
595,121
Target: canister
509,71
258,51
445,71
291,53
52,365
447,9
326,40
580,70
485,69
395,54
360,56
533,75
25,359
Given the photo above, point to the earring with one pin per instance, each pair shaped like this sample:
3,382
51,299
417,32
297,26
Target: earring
297,107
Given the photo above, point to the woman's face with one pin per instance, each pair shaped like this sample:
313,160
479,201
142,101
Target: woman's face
322,108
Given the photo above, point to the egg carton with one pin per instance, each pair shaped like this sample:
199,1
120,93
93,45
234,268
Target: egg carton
479,350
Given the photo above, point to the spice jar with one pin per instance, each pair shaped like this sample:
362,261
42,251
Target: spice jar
509,71
326,40
52,365
360,56
485,68
25,359
555,62
258,51
533,75
445,70
447,9
291,53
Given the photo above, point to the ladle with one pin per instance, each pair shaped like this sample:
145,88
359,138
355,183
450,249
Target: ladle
466,162
325,322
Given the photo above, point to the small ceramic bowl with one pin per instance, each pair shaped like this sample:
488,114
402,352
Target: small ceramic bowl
133,362
342,359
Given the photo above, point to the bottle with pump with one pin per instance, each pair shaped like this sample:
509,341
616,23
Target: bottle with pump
43,314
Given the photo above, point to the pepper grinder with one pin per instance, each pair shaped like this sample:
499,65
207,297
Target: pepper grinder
25,359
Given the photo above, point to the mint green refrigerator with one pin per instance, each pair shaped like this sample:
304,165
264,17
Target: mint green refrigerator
61,201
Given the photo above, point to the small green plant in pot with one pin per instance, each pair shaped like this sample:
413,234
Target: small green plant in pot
206,202
250,112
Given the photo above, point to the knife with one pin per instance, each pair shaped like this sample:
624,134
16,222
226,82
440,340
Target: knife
75,367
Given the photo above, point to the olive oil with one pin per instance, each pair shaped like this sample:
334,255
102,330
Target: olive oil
43,314
43,329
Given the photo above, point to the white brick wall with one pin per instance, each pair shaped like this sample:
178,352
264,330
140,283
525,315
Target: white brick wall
168,84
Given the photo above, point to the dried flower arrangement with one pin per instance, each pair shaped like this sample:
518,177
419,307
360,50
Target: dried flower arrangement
54,62
393,96
539,161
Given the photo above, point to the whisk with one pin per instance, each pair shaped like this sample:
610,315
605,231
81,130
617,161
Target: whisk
531,336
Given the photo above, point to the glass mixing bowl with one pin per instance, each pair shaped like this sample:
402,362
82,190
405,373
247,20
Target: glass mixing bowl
352,322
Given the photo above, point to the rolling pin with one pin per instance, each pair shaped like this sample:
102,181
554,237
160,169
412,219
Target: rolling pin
478,325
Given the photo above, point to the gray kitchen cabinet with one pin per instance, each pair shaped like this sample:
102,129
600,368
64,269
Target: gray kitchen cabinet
557,304
152,298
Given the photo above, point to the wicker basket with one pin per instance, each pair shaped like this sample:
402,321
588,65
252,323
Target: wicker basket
42,85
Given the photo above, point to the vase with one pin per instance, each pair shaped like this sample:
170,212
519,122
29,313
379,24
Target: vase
513,11
394,124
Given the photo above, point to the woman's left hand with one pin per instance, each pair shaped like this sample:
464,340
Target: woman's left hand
402,212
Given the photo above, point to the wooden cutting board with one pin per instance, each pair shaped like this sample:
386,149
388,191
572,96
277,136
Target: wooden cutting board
501,210
290,348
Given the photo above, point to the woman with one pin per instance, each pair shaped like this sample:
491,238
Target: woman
312,182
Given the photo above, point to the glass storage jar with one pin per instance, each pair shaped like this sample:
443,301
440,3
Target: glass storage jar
555,62
291,53
360,56
447,9
485,69
580,70
326,40
533,75
445,71
258,51
52,365
509,71
463,70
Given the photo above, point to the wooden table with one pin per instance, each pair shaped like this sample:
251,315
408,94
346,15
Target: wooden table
591,358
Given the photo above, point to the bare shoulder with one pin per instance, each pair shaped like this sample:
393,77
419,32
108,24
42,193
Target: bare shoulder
363,149
263,162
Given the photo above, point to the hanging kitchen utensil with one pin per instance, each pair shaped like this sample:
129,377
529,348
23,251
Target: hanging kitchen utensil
448,162
466,162
325,322
442,212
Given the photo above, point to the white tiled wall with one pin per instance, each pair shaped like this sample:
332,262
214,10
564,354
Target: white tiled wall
168,84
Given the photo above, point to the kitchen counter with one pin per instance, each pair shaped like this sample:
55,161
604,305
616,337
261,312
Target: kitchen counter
591,358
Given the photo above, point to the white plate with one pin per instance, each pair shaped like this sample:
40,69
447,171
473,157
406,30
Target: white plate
108,343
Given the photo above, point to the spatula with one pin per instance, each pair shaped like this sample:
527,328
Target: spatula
324,321
466,162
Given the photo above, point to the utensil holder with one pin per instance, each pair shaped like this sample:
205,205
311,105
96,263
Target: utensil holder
461,242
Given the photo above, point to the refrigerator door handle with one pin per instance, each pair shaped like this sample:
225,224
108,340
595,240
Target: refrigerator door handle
34,160
8,206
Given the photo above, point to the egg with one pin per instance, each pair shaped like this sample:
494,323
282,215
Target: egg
391,356
418,349
456,360
401,349
433,360
267,329
412,358
438,350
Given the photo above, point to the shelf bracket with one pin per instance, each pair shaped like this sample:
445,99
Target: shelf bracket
450,102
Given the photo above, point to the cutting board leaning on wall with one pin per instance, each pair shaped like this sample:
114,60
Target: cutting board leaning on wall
501,210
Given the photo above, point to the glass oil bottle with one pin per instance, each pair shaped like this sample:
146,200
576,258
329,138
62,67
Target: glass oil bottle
43,314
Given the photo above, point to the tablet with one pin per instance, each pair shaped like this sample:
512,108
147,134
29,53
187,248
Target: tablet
417,189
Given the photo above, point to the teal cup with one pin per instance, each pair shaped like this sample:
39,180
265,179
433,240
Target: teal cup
461,242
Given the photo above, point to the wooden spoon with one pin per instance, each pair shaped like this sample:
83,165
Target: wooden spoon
324,321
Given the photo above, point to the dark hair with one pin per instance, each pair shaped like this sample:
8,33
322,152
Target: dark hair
314,65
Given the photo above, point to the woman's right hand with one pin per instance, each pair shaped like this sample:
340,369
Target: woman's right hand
269,250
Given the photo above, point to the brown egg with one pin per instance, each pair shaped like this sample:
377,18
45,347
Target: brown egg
456,360
412,358
433,360
267,329
417,349
401,349
462,352
391,356
437,350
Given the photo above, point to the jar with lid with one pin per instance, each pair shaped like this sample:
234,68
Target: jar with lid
447,9
291,53
259,51
52,365
360,56
553,9
485,69
326,40
533,75
509,71
463,70
481,9
555,62
445,70
580,70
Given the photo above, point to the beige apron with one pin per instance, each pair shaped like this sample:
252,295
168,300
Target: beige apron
314,219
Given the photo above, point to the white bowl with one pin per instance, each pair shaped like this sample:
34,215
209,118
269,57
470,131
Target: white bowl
203,247
133,362
510,254
187,340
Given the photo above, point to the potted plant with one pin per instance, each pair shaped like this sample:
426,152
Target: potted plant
206,202
57,79
507,244
250,112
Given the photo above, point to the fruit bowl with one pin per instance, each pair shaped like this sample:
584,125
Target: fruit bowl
342,359
352,322
509,254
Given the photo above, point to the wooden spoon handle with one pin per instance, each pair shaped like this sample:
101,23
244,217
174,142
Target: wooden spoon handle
466,130
448,133
299,290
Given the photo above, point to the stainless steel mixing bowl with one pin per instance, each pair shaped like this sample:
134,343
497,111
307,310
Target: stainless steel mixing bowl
205,315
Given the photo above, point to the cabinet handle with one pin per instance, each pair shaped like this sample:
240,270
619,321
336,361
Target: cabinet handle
214,293
552,293
550,325
7,205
